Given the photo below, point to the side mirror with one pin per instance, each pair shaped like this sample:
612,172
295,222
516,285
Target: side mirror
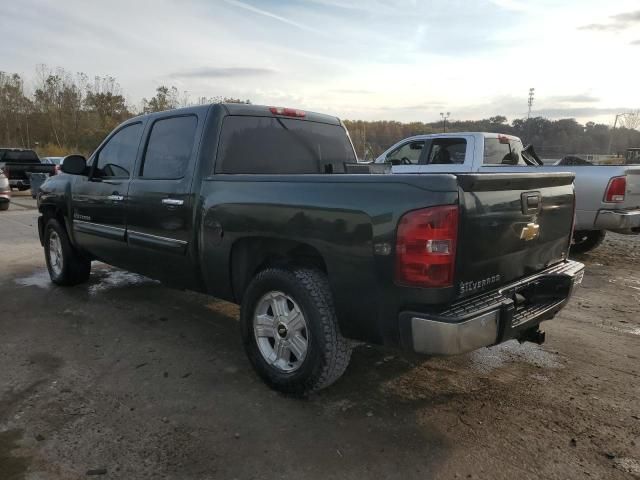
74,165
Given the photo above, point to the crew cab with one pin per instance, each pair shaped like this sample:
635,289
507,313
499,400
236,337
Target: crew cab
607,196
19,163
256,205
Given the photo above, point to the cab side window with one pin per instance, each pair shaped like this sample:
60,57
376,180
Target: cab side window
447,151
117,157
407,154
503,151
169,148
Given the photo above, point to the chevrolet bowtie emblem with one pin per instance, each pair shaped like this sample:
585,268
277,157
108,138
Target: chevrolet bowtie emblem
531,231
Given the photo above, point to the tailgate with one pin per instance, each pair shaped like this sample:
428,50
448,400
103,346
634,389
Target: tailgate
511,226
21,171
632,194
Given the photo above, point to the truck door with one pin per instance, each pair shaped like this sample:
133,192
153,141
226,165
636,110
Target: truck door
99,200
161,201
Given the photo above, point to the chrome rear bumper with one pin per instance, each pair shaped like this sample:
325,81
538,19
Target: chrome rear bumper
617,220
493,317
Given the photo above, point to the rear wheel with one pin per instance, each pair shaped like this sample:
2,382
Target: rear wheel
65,264
586,240
4,206
290,330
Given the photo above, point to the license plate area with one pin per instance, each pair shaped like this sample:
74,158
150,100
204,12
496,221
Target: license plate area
533,299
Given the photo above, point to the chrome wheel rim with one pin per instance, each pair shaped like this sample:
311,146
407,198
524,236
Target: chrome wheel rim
55,253
281,331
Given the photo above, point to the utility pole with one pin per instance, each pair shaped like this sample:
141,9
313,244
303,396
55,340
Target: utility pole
444,121
618,115
364,140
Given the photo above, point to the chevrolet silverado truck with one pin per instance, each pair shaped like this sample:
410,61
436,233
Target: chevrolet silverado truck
607,196
256,205
18,164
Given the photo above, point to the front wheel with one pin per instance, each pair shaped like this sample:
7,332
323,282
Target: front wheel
290,331
586,240
65,264
4,206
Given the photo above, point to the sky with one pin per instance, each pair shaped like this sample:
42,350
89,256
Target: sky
373,60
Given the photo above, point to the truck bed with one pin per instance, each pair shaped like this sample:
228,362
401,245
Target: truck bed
344,218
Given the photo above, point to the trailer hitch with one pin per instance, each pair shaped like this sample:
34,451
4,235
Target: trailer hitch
533,335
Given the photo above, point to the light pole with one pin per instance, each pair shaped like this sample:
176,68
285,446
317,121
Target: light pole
532,92
618,115
444,121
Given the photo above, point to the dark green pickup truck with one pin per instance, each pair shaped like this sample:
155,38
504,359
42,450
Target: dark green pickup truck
258,206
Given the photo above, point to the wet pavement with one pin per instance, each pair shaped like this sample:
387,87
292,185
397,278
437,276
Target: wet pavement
124,378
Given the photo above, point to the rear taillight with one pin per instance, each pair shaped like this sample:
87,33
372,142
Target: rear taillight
615,190
426,247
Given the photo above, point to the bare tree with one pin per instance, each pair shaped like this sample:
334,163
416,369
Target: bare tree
631,120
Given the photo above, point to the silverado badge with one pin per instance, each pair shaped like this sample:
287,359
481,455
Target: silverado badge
473,285
531,231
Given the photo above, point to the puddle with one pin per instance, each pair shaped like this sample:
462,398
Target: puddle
117,279
39,279
487,359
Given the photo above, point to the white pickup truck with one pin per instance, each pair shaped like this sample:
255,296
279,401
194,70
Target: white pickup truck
607,196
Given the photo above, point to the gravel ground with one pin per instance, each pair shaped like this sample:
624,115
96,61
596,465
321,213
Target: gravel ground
126,379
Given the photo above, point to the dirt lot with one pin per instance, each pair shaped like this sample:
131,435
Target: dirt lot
127,379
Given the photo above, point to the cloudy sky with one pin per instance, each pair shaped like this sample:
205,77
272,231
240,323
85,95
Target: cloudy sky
379,59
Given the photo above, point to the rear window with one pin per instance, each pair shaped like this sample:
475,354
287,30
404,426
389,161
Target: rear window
503,151
27,156
446,151
267,145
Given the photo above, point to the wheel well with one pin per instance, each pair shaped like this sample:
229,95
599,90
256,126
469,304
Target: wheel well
252,255
50,211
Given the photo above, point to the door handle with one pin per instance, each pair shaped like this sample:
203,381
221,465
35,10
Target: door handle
115,198
172,201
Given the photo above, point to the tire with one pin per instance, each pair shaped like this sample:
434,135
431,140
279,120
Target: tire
65,264
327,353
4,206
586,240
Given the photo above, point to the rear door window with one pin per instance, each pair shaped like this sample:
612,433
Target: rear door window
503,151
266,145
169,148
447,151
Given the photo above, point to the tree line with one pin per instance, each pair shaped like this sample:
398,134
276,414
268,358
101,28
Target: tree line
64,112
551,138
